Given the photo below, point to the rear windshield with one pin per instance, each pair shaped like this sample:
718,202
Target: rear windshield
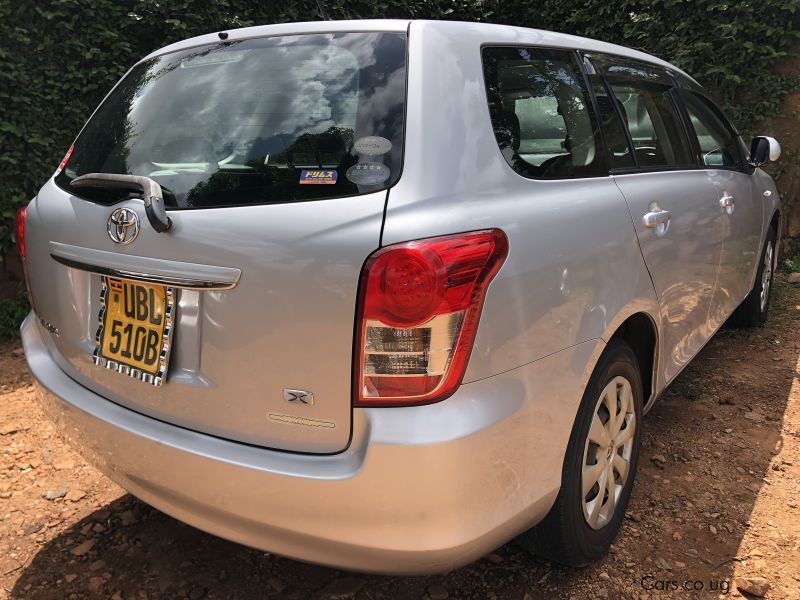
260,121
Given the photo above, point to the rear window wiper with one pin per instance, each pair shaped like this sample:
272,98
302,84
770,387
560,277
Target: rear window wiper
151,193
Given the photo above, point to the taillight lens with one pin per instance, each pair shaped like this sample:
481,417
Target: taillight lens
419,305
19,236
19,232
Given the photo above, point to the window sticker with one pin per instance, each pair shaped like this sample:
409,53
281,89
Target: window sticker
316,177
372,145
370,170
368,173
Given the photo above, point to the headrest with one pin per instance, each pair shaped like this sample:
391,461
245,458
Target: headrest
510,121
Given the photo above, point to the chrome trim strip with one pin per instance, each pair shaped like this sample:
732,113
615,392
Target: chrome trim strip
190,276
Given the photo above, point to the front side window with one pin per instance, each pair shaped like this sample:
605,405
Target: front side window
655,128
258,121
719,145
541,113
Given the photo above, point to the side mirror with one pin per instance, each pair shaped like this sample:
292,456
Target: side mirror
764,150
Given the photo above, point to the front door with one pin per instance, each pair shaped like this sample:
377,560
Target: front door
741,209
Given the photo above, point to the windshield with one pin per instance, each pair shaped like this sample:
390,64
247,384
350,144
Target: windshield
258,121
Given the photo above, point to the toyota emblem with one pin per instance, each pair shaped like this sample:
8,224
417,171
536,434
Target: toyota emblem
123,225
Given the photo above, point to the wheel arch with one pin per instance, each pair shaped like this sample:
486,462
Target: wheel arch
640,332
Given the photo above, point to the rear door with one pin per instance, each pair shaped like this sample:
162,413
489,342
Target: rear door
673,203
274,156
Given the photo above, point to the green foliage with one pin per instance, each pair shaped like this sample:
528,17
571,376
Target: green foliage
60,57
791,265
12,312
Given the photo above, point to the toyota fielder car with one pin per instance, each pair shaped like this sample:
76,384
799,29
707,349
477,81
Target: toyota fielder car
385,295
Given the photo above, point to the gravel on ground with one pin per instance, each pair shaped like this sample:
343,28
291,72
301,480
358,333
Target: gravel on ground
715,511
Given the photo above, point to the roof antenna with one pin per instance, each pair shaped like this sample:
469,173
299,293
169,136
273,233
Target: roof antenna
322,12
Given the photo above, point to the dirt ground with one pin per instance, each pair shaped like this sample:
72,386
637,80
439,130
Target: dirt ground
716,503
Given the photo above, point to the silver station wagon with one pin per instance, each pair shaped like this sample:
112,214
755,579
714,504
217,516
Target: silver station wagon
384,295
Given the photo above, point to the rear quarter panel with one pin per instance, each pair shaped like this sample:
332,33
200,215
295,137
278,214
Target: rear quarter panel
574,271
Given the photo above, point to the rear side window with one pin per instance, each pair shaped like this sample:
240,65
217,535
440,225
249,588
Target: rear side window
719,145
259,121
541,113
655,127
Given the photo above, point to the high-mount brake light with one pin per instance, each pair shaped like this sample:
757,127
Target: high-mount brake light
418,312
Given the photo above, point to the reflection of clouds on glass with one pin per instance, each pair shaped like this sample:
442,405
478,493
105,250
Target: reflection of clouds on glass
323,85
287,89
363,46
207,119
197,114
373,108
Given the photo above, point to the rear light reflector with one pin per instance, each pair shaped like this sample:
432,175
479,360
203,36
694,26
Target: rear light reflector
418,312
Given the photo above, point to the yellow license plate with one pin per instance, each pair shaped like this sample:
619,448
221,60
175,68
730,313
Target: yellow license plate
135,329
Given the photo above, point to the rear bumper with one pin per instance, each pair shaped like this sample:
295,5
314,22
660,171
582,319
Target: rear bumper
419,490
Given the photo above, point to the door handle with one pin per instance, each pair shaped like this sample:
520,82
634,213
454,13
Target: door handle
655,218
727,202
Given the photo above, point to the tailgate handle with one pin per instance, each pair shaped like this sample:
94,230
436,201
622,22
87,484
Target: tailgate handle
151,193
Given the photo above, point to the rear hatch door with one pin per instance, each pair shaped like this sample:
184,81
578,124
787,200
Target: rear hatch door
274,156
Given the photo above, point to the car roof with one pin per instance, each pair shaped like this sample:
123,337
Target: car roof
488,32
352,26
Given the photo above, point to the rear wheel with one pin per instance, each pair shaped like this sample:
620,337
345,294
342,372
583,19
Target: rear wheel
599,466
753,311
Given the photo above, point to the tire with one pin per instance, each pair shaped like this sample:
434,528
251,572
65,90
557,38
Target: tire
573,533
752,312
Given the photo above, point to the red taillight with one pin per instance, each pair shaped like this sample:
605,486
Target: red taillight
64,160
19,232
19,236
404,286
419,305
